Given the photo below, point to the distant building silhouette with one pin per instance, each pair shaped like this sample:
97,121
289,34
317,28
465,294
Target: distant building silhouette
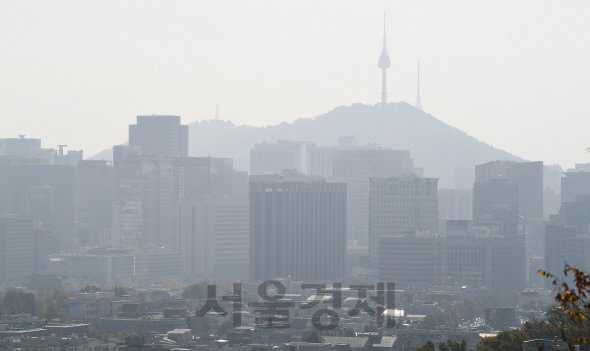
203,178
214,237
455,203
297,229
31,152
93,199
161,136
284,154
399,204
560,247
527,175
497,201
421,259
143,199
573,184
16,248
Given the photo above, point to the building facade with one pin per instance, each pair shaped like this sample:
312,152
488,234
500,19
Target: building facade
527,175
16,248
213,237
160,136
297,229
399,204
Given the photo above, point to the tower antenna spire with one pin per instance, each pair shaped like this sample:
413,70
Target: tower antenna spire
384,64
418,99
217,109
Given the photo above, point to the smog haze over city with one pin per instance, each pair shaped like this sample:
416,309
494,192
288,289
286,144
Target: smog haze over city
295,176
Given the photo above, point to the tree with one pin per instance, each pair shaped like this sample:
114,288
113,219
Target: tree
574,302
53,303
91,288
196,291
504,341
119,291
18,301
450,345
429,346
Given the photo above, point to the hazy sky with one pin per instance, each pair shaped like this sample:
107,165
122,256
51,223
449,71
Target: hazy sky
513,74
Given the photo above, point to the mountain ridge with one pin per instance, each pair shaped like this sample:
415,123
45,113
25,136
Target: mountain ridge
434,145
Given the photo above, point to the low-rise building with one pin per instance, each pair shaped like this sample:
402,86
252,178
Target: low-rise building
90,307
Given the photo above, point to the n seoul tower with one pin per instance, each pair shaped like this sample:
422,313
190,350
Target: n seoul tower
384,64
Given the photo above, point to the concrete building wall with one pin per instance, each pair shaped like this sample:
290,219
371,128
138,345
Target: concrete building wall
214,237
16,248
297,229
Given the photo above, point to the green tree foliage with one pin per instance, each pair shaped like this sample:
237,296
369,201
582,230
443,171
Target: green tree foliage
52,303
99,333
17,302
450,345
574,303
504,341
158,294
119,291
429,346
196,291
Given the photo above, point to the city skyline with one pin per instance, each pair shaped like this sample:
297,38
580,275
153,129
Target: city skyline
95,79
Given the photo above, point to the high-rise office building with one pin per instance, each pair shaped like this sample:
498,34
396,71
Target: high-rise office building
354,166
31,152
41,192
455,203
574,184
160,136
213,237
47,196
93,197
372,163
143,199
274,158
412,260
560,247
203,177
297,229
399,204
527,175
577,214
16,248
